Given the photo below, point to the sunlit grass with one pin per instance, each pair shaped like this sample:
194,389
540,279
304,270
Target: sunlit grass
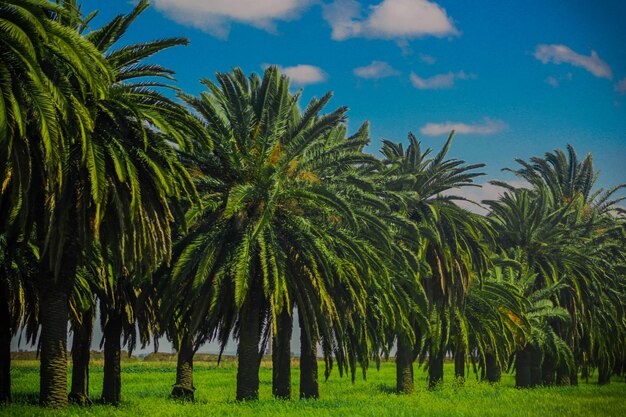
146,387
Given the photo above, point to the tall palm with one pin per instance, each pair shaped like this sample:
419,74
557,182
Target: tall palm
40,60
533,231
118,171
35,144
571,182
271,233
451,239
138,174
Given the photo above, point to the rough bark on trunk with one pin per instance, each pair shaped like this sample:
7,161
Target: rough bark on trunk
5,349
493,374
53,373
548,370
536,359
522,367
281,356
184,389
435,368
604,374
248,348
81,349
309,387
459,363
404,366
112,382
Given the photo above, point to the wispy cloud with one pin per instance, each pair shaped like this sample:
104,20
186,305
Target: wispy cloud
553,81
215,16
377,69
391,19
556,82
427,59
303,74
561,53
486,127
439,81
620,87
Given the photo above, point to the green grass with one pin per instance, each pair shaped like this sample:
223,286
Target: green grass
146,386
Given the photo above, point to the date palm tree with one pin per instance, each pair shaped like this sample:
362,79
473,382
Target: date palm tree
272,232
49,73
571,182
451,240
117,170
533,231
133,153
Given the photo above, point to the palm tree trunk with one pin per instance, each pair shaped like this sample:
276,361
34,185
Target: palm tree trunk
573,376
281,356
184,389
576,350
5,349
53,373
309,387
604,374
536,358
435,368
459,363
548,370
248,348
404,366
112,383
81,350
522,367
493,374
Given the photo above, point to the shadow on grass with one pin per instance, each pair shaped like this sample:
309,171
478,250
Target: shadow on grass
387,389
25,398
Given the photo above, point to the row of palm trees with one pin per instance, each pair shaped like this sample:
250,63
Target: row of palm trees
223,215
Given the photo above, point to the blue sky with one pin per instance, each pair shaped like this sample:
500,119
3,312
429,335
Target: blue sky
516,79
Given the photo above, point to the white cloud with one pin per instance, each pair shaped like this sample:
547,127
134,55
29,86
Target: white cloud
391,19
215,16
439,81
620,87
486,191
561,53
486,127
303,74
377,69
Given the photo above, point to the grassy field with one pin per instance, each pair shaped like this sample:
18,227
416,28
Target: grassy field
147,384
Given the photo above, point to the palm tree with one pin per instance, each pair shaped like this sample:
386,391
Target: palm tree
532,230
117,170
272,234
363,333
451,239
571,182
41,63
134,130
